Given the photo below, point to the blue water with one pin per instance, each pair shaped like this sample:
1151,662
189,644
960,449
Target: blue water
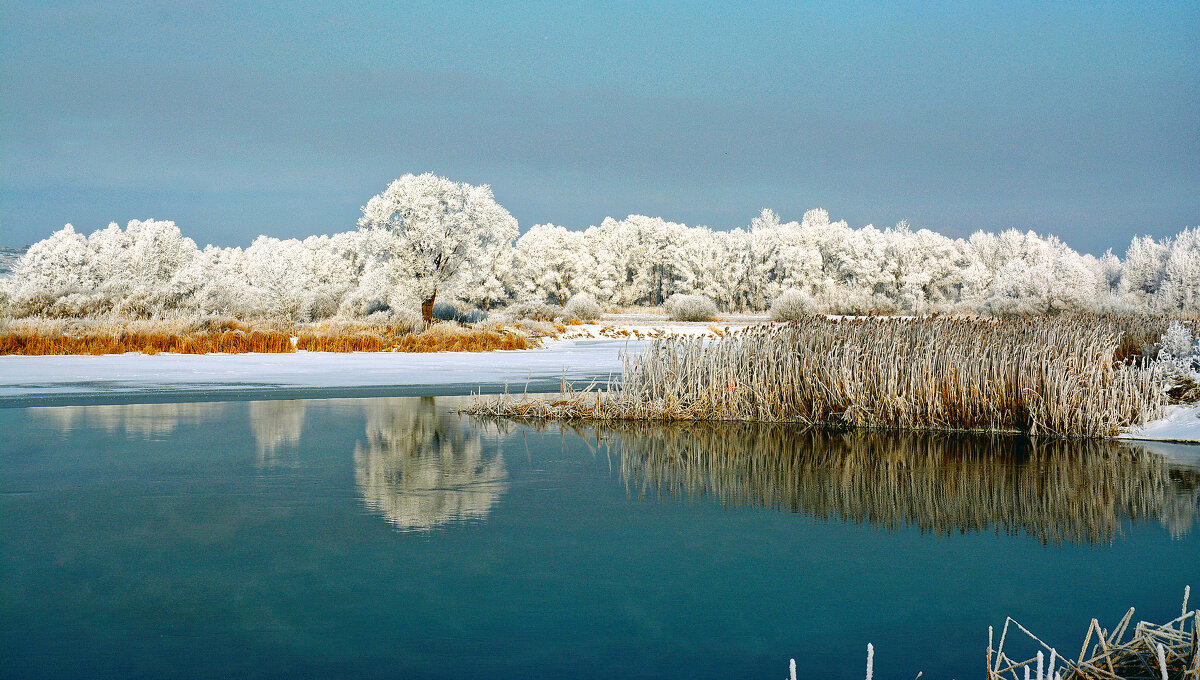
393,538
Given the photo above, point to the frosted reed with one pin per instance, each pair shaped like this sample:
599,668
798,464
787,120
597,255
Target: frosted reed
1074,377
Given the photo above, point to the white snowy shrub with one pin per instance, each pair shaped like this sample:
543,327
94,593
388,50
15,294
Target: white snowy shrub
361,304
582,307
691,308
537,311
1177,341
79,305
1180,352
401,320
144,302
322,303
793,305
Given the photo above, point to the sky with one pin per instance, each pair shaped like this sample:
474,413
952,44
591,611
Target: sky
233,120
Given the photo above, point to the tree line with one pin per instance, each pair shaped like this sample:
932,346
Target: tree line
426,238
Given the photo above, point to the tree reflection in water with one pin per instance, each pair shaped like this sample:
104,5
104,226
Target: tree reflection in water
277,427
139,421
422,466
1055,490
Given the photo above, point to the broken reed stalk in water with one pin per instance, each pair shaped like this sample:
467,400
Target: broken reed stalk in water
1058,376
1168,651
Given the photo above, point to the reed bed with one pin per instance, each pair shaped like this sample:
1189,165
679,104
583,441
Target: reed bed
35,336
1058,376
104,336
1052,489
450,338
1169,651
440,337
231,342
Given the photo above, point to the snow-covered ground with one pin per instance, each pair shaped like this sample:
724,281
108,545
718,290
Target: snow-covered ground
126,377
1182,423
584,353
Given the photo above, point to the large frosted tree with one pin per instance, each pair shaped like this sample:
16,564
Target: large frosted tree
435,233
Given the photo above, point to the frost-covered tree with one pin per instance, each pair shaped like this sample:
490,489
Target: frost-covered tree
157,251
58,264
1143,270
70,275
433,233
427,238
555,263
1069,282
499,280
638,258
1180,289
780,256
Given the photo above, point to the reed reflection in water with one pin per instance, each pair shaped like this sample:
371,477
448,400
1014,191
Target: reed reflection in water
1052,489
422,465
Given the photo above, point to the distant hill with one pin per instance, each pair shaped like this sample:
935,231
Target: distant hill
8,258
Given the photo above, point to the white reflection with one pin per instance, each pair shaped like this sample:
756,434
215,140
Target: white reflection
422,466
147,421
276,425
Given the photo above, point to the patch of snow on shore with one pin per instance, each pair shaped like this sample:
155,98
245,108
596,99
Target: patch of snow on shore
1181,423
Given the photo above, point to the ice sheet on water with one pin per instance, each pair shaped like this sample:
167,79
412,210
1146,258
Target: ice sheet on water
127,375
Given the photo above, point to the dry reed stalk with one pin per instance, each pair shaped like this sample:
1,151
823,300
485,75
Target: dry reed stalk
440,337
147,343
188,336
1057,376
1167,651
449,338
355,342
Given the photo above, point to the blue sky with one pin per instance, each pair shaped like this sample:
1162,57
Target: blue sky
235,120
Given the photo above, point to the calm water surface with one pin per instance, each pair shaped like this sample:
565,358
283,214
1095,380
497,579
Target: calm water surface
392,538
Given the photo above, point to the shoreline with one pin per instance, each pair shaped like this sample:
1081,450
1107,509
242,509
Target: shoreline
583,355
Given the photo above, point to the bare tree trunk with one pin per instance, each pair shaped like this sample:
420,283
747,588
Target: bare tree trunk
427,309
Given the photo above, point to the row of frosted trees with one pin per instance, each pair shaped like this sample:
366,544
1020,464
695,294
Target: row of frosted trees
151,269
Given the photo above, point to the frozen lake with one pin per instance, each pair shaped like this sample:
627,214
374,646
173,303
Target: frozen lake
391,537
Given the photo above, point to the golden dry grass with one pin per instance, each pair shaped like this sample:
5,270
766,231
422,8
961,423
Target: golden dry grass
232,342
1059,376
452,338
106,336
186,336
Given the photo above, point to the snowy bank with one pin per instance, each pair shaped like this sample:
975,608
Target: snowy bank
1181,423
585,353
26,380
